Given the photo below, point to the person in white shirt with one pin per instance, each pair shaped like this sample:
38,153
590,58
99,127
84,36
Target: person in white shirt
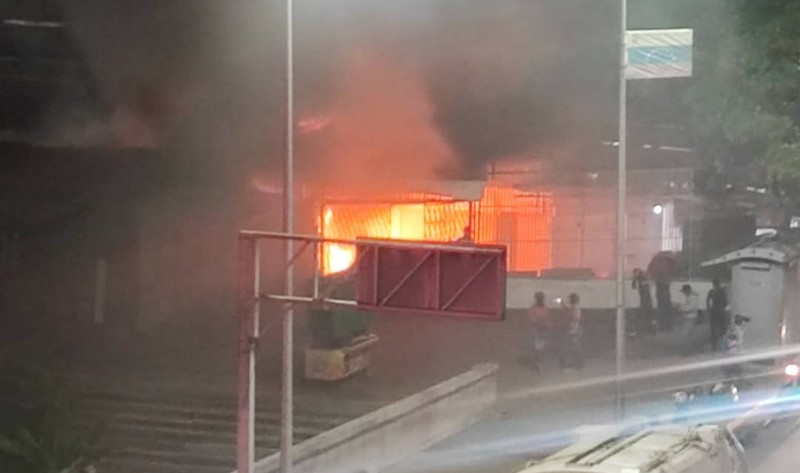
688,310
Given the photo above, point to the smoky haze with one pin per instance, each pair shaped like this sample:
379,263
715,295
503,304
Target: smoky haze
205,79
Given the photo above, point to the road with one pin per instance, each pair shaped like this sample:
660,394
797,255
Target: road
535,419
775,449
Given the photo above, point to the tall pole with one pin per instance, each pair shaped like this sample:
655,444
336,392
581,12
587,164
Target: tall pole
287,378
248,314
621,193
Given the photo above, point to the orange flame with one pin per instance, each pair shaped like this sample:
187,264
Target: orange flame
521,221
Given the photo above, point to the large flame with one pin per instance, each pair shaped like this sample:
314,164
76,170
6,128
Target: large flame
336,257
521,221
339,257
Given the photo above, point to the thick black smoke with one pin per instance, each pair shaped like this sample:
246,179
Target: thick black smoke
206,78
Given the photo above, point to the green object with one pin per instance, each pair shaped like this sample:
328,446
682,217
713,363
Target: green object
335,326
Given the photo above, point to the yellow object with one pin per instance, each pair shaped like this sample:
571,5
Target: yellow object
339,363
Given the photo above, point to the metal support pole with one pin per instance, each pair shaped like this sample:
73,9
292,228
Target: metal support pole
246,353
287,384
621,194
319,252
583,227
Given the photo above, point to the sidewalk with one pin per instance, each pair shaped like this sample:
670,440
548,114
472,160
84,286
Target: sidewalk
413,353
539,414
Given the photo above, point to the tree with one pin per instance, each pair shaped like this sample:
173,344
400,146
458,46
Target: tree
39,408
745,94
751,99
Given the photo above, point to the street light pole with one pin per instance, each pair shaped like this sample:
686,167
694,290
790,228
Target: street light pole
287,378
621,195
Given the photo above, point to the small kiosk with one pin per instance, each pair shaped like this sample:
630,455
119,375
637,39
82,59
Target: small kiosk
765,286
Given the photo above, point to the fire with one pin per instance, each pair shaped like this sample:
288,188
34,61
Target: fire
339,257
521,221
336,257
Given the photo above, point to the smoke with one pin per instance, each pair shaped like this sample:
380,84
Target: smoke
518,78
382,126
524,77
198,80
205,79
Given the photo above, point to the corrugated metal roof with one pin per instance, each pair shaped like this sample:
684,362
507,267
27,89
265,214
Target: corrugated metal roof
408,191
457,190
774,250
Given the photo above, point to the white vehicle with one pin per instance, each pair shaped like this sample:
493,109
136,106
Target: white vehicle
664,449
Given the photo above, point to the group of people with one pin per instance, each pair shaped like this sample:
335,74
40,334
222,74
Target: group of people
556,332
687,313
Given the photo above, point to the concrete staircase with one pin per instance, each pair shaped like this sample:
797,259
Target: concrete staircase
176,434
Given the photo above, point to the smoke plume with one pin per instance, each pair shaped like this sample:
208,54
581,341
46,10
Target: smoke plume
382,127
205,79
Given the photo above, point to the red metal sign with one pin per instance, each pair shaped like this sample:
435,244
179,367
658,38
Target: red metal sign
462,281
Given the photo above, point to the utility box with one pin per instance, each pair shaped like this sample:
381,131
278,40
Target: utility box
765,286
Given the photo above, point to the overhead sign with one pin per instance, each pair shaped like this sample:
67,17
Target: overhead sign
659,54
451,280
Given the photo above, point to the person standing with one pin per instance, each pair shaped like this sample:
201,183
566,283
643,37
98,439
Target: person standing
731,344
664,305
571,354
662,270
538,318
717,303
642,284
466,237
688,310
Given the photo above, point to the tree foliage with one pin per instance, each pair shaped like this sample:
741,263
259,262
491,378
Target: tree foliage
38,409
745,94
751,97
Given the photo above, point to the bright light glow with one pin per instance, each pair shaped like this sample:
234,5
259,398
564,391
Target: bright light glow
658,209
408,222
766,232
339,257
792,370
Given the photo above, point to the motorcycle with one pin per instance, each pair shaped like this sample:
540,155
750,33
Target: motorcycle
788,399
699,405
731,346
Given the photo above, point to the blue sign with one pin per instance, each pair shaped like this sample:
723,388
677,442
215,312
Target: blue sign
658,54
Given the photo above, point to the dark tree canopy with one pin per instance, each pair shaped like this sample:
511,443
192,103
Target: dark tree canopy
744,101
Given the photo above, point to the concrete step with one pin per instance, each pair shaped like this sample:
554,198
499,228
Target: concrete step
211,414
144,434
198,459
140,465
207,394
305,414
167,435
301,427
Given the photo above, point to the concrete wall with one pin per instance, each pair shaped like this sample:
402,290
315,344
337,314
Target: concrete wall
595,293
584,229
385,436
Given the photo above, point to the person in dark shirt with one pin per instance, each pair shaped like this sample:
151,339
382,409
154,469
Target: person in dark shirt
642,284
717,304
466,237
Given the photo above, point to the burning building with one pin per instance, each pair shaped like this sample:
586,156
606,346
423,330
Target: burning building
495,214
